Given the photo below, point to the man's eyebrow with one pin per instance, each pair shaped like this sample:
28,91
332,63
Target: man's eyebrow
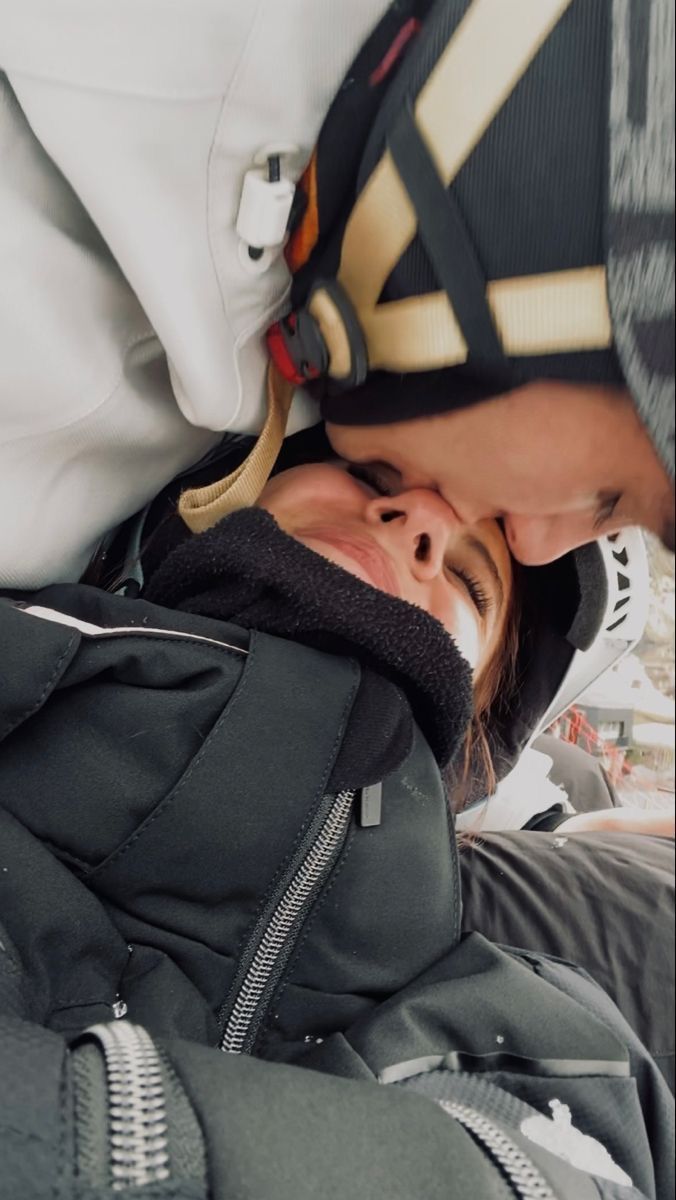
478,546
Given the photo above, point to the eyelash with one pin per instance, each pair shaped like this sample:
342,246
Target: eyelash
606,511
369,476
480,598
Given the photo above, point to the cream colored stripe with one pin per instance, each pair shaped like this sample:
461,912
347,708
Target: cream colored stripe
555,313
327,315
490,50
201,508
415,334
487,55
538,314
381,224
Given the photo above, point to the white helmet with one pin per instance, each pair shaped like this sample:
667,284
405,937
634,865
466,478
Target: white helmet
624,559
609,583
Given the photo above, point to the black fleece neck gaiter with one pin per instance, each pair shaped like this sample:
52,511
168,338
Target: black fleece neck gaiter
248,571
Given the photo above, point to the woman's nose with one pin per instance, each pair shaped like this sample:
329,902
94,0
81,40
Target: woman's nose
417,523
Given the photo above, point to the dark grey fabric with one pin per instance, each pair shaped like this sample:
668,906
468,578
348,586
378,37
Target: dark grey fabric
582,776
175,832
496,987
153,895
602,900
314,1135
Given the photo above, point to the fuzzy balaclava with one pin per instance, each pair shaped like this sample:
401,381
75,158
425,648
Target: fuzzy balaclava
248,571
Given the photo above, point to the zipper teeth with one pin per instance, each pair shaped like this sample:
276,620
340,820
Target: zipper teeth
282,922
527,1181
137,1110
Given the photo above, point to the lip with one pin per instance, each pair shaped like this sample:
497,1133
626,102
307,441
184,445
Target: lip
366,553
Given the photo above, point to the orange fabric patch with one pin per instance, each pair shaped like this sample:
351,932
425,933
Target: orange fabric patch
304,237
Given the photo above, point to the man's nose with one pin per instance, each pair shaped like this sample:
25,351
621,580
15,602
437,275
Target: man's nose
418,522
535,541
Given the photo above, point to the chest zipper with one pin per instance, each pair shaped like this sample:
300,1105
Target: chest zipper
137,1112
527,1181
275,939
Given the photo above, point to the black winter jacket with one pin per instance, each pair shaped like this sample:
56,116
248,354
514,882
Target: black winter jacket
193,844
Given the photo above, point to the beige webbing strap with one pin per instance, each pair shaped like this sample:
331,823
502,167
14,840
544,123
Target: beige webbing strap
489,52
484,60
561,311
202,507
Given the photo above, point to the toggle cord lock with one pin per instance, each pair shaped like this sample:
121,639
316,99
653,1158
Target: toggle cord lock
264,210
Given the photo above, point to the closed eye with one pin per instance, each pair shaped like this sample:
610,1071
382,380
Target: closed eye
479,597
606,510
486,597
370,475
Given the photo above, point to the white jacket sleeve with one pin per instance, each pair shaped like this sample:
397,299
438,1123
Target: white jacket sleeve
129,325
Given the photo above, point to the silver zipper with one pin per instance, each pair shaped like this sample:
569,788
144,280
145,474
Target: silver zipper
137,1118
526,1179
284,920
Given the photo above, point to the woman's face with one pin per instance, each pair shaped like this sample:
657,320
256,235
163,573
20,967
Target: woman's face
409,543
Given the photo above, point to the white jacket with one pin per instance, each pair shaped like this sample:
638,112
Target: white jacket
129,324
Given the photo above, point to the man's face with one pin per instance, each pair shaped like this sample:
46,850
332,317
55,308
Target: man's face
560,463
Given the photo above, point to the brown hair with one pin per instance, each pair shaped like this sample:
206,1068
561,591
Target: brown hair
474,768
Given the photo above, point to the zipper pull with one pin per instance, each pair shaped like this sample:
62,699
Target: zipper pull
370,805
